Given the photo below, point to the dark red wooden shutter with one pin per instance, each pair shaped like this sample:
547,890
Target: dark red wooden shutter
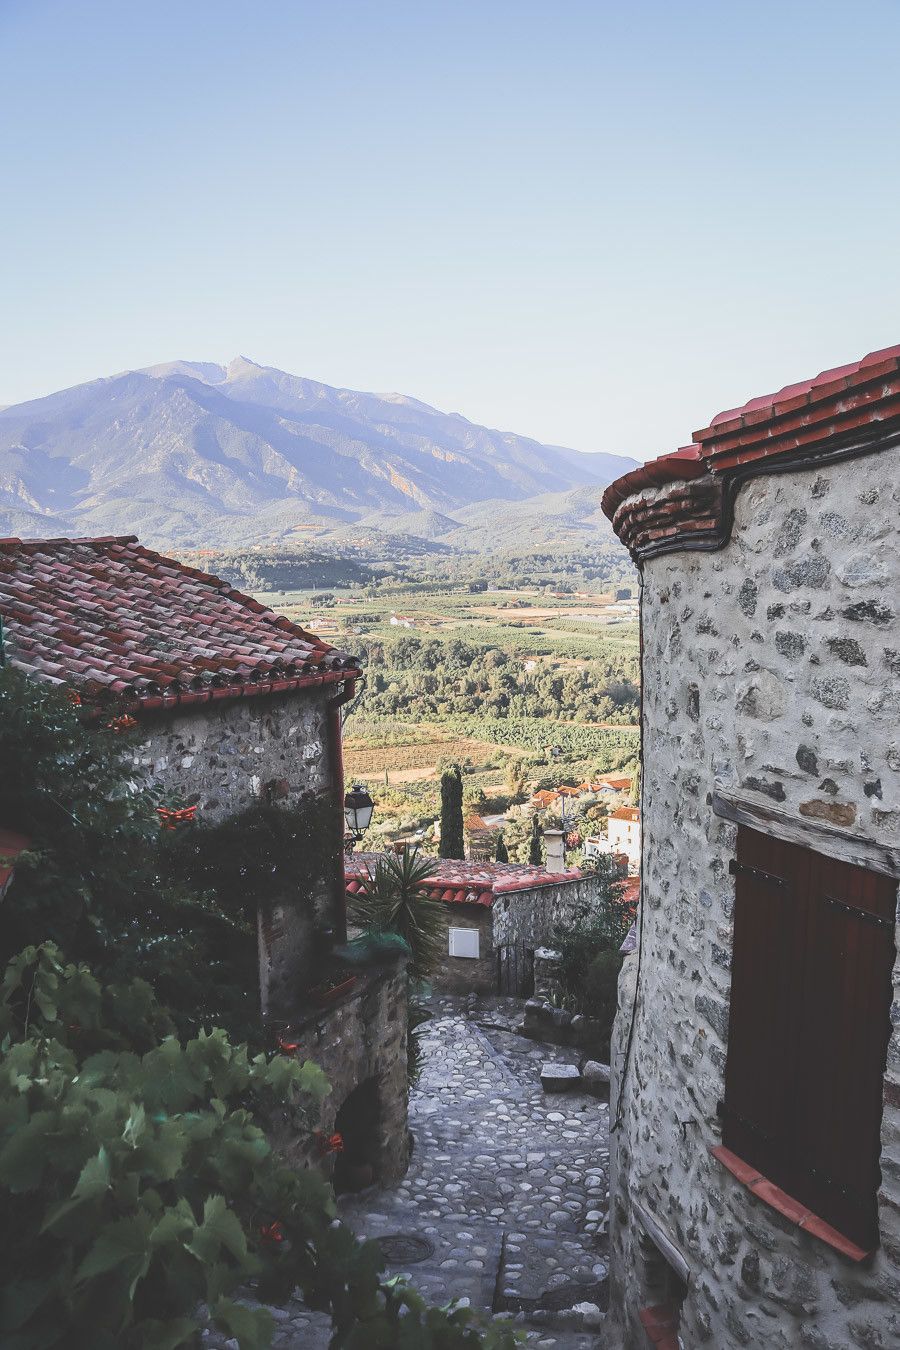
810,1008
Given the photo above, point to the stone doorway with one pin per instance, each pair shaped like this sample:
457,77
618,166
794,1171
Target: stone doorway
358,1122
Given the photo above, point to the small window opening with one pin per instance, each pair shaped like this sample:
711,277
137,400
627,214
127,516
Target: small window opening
664,1292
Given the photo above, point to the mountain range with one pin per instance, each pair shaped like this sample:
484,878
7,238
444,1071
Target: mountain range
195,455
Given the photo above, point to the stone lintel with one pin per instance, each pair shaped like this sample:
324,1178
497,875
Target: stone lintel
757,811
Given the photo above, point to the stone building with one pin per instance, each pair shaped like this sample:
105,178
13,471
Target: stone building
497,914
232,705
755,1198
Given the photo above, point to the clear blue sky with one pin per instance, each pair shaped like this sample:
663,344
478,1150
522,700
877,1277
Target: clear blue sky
594,223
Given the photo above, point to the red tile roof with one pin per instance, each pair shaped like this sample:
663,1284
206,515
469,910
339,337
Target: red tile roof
631,891
116,620
632,813
466,883
799,417
475,823
11,845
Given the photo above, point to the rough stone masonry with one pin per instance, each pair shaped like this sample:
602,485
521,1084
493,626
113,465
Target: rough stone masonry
771,679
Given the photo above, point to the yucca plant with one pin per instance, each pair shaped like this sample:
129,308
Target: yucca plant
394,898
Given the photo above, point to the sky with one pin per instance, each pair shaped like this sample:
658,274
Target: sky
593,223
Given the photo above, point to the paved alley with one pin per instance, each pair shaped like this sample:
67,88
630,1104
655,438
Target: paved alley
505,1201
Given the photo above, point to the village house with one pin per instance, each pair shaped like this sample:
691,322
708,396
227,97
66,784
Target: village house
755,1193
231,705
497,915
610,787
481,837
622,838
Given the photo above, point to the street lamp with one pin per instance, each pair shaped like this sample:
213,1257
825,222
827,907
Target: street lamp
358,808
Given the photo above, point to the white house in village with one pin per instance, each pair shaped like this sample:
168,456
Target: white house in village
623,837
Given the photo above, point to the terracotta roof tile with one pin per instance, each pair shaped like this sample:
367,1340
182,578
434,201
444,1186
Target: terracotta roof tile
109,616
807,416
466,883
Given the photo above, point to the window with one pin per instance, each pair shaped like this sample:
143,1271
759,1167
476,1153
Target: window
809,1026
464,942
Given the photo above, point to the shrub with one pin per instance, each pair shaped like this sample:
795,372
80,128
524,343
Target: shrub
141,1195
395,899
589,949
598,993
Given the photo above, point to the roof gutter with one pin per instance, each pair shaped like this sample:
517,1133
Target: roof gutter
194,698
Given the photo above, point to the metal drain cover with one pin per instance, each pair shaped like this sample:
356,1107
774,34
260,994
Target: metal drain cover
404,1249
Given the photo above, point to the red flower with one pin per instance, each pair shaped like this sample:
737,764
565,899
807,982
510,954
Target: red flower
272,1232
172,817
328,1143
123,723
287,1046
73,697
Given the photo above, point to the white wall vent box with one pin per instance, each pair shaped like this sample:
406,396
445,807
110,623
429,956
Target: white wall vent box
464,942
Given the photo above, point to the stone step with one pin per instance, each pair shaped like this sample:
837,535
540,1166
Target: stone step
557,1077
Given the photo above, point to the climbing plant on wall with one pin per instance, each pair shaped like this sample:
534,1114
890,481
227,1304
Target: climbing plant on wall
264,852
100,877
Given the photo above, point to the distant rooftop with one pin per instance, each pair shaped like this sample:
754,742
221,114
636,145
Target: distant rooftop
466,883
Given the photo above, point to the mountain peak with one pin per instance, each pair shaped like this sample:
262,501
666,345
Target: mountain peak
240,365
264,457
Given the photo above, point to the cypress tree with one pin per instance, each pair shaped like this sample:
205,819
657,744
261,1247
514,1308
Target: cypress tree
535,848
501,854
452,837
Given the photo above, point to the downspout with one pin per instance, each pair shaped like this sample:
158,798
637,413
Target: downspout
336,760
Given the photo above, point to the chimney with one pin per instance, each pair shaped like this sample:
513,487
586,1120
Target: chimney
555,845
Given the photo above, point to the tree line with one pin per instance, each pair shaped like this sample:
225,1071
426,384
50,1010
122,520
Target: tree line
432,677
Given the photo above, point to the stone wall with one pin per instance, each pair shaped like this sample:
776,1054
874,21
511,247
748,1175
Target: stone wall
465,974
361,1038
223,755
524,919
771,673
532,916
227,755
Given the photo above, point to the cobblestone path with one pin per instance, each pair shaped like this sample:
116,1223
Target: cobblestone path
505,1201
